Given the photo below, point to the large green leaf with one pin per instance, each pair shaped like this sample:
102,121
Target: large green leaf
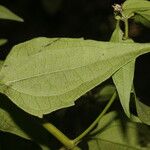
123,78
118,133
43,75
7,14
133,6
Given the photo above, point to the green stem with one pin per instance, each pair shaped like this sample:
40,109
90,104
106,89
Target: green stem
117,23
69,144
126,36
78,139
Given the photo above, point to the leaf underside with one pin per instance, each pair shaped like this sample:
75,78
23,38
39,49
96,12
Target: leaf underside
43,75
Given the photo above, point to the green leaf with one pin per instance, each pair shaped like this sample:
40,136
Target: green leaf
43,75
3,41
44,147
117,35
143,17
117,133
123,78
143,111
105,92
16,121
7,124
7,14
133,6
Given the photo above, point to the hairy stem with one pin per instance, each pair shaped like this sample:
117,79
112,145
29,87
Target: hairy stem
78,139
69,144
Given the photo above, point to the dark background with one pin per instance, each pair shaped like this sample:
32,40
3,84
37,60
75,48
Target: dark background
91,19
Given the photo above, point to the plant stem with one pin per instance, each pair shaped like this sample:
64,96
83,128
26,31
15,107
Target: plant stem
126,36
78,139
69,144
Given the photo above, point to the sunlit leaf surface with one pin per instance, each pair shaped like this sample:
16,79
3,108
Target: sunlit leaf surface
43,75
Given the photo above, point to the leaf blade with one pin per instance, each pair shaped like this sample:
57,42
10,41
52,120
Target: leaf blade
7,14
123,80
58,71
134,6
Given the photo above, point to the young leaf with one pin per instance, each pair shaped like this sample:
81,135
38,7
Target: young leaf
7,14
123,78
43,75
133,6
3,41
117,133
117,35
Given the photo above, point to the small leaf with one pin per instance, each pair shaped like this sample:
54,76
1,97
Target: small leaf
3,41
143,111
7,14
117,35
7,124
117,133
43,75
